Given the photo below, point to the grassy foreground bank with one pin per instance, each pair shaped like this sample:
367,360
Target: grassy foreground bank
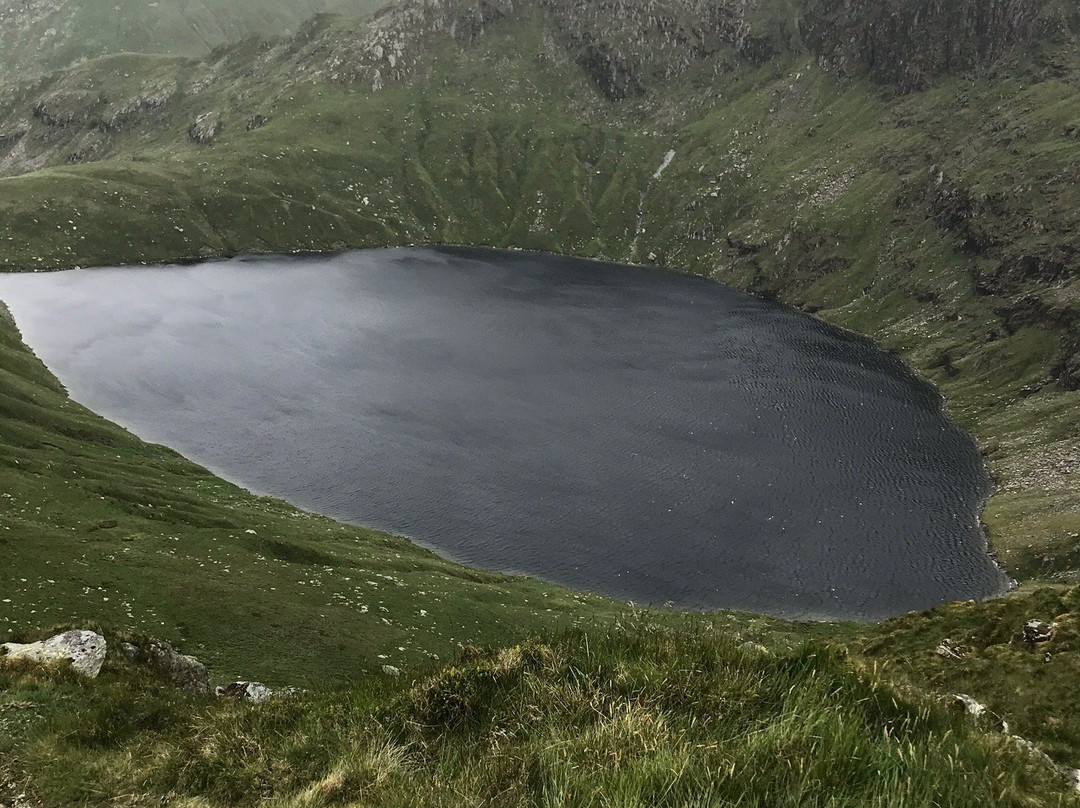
633,716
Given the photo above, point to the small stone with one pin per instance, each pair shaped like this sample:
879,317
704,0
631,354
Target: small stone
250,692
971,707
1037,631
948,650
391,670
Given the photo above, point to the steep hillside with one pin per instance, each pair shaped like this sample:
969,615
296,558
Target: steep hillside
37,36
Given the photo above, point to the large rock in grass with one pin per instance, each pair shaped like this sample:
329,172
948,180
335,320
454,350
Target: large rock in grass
1037,631
84,649
183,670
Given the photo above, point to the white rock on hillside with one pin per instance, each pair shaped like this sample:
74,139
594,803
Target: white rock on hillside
85,649
251,692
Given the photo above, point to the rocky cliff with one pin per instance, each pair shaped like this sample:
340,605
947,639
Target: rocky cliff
909,43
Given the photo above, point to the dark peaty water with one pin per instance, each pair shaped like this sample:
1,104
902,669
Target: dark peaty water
621,430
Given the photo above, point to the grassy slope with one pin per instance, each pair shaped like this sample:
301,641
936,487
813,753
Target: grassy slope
637,716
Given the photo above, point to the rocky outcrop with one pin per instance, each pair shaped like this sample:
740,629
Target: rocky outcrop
908,43
85,650
387,48
1035,632
626,46
182,670
206,128
130,111
9,139
63,108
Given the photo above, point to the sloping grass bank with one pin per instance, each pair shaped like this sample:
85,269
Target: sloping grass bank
635,716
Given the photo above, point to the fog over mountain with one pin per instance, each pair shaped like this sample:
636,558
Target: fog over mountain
37,36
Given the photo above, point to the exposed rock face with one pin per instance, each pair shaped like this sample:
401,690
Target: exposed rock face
626,45
1037,631
206,128
184,671
389,47
1067,370
85,650
909,42
151,97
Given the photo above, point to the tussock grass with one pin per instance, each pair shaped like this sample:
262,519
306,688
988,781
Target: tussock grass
640,715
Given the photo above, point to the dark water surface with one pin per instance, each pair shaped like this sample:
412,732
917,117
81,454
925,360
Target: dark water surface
621,430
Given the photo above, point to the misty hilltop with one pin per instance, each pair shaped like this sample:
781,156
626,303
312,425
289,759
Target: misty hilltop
37,36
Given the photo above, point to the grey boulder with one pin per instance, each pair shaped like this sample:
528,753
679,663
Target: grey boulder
84,649
183,670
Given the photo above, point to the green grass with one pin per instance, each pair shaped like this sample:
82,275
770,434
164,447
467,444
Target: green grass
637,715
1028,687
